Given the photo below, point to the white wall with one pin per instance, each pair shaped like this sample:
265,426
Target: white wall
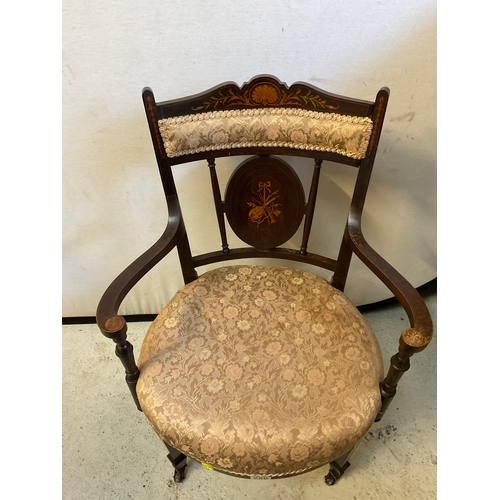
113,206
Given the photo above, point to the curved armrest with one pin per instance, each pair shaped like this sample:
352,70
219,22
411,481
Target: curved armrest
417,337
110,323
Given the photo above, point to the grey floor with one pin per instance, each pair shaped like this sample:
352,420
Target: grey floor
111,452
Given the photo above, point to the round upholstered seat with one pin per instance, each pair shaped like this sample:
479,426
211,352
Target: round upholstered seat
260,371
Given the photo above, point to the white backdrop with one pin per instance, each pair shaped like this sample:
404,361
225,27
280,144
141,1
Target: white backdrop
113,205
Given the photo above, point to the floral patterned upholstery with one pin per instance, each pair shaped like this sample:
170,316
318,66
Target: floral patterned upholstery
260,371
266,127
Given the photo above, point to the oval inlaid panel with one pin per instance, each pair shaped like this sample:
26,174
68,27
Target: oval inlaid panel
264,202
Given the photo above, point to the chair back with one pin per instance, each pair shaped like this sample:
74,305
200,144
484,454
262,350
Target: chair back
264,201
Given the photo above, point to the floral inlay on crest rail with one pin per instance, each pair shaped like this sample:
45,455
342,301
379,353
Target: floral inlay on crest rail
264,206
264,94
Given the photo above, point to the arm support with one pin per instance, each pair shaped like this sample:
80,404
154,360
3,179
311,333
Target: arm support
417,337
413,339
112,325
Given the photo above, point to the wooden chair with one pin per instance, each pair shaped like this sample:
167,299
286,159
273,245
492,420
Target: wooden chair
263,371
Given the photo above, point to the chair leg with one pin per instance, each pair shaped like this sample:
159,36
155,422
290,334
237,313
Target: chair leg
179,461
337,468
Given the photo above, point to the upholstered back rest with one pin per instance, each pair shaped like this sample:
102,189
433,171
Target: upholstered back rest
266,128
264,202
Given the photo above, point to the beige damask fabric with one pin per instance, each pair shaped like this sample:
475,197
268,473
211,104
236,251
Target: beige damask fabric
266,127
260,371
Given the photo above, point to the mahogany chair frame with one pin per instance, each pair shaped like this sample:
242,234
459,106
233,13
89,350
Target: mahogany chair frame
299,95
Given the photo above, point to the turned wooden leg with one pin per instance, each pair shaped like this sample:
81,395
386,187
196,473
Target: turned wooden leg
179,461
125,351
338,467
400,363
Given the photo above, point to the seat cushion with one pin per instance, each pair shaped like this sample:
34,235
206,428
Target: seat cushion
260,371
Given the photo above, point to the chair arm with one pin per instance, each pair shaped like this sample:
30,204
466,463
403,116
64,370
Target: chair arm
417,337
413,339
109,322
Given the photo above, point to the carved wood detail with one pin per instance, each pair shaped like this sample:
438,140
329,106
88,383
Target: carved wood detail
264,95
264,202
